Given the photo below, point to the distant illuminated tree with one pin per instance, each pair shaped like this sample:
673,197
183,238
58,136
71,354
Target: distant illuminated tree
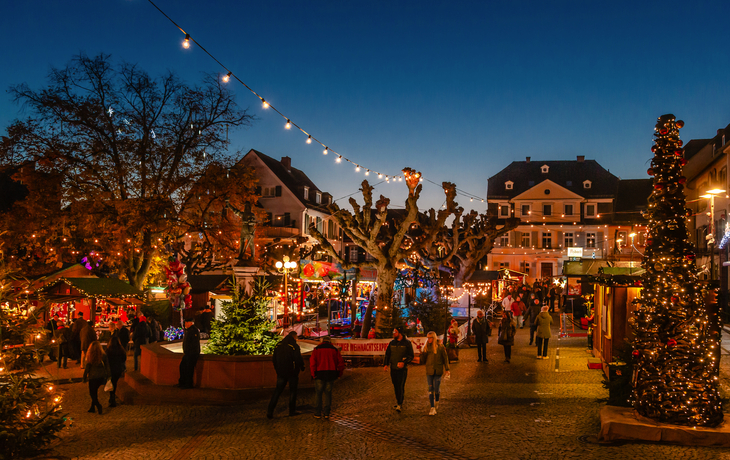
120,166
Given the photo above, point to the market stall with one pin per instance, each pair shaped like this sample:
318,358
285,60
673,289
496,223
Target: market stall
102,300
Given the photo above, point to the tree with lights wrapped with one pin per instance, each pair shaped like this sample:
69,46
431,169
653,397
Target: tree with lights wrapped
30,407
676,344
382,233
123,167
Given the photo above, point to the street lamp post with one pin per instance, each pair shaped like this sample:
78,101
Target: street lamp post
631,256
286,267
711,228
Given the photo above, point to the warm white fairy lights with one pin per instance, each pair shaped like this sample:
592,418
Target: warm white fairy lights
188,40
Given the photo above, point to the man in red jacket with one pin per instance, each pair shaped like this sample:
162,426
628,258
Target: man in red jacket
327,365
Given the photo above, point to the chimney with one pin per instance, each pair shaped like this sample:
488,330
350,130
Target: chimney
286,161
581,158
527,159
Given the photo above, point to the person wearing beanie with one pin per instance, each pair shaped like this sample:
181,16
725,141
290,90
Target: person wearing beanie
288,363
326,365
397,356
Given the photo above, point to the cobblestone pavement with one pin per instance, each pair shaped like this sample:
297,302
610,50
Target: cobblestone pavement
530,408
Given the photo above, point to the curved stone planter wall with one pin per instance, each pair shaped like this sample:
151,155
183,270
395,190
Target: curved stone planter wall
162,367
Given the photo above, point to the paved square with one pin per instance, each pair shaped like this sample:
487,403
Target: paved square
522,410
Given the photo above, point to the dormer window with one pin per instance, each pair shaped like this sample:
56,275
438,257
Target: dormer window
318,198
508,185
586,184
544,169
306,193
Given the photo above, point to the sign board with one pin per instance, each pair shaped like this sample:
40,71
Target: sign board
575,252
377,347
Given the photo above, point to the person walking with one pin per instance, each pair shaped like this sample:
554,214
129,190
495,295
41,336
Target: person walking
551,298
480,329
117,357
454,334
51,327
397,356
534,310
63,335
518,309
326,365
140,336
75,344
88,335
123,334
507,333
544,321
191,353
507,302
96,371
288,363
437,365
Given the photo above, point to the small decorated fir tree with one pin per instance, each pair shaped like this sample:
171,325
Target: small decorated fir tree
30,407
245,329
675,346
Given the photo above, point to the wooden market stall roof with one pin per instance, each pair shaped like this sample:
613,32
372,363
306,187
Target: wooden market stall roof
200,284
100,288
584,267
483,276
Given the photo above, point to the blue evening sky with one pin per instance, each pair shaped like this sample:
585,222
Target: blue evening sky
455,89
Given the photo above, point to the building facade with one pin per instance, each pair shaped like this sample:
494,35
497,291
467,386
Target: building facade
562,205
291,201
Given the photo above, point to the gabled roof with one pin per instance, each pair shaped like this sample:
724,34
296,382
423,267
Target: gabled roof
632,197
294,179
208,283
694,146
100,287
522,173
538,191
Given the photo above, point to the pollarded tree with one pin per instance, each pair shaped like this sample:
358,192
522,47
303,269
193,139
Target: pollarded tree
460,246
129,154
477,236
381,233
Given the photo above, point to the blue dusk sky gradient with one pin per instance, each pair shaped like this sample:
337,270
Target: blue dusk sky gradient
457,90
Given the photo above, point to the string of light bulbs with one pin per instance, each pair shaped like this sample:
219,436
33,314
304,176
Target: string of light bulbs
339,158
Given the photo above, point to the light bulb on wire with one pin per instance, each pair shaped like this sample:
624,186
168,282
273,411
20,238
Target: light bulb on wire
326,150
186,42
264,103
309,139
288,124
339,159
227,77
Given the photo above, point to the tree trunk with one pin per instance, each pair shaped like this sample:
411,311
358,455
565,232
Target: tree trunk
386,280
466,269
353,302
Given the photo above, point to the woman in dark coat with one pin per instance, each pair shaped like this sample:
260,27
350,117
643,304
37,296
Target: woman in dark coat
117,356
507,331
96,371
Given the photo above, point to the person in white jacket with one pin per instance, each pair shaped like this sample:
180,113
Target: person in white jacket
507,303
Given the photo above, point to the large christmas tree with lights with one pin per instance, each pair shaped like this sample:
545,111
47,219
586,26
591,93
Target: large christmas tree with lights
676,344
